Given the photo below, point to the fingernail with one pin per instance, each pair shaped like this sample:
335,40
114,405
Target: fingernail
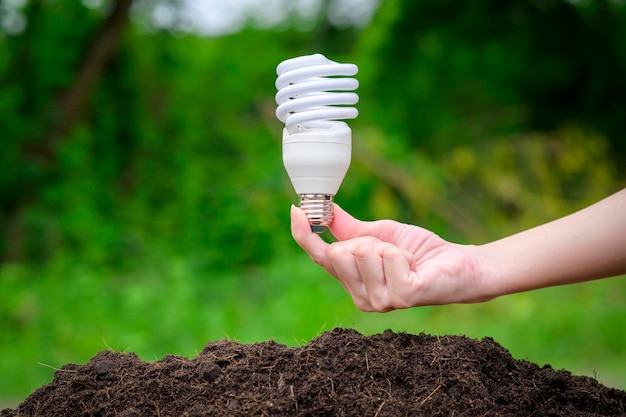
293,213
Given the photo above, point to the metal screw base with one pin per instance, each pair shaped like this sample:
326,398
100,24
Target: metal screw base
318,209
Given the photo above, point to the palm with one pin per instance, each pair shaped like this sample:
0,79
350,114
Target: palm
441,272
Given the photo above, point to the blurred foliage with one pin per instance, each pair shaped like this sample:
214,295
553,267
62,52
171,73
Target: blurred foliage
154,216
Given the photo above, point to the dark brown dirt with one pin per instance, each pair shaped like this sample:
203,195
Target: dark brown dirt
340,373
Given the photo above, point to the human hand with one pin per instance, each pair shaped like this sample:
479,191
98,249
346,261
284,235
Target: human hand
386,265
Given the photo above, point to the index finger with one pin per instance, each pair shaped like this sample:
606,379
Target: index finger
311,242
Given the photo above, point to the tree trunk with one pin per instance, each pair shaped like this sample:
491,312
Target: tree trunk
63,115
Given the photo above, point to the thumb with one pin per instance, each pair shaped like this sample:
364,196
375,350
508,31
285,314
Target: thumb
344,226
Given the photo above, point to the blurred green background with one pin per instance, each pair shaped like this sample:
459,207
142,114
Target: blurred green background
144,206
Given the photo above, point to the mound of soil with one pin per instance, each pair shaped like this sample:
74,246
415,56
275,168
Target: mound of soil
340,373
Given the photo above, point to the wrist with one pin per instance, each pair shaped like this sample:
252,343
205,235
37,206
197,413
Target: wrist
498,274
479,275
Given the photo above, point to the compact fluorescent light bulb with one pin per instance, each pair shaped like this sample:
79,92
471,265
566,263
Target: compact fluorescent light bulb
313,97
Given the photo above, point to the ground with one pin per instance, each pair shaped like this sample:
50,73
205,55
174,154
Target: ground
340,373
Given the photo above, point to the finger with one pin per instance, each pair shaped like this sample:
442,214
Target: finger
369,261
342,258
311,242
397,266
377,272
344,226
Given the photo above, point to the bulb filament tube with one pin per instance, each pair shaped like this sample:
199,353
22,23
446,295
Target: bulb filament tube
315,93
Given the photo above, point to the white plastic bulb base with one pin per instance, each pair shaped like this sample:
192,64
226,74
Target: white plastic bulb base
316,161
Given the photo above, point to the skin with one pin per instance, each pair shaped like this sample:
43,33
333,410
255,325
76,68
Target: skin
386,265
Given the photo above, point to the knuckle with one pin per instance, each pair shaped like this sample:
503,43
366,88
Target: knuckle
335,251
391,252
363,305
400,303
381,306
316,260
363,250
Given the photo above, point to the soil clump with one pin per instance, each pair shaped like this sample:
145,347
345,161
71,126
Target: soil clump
340,373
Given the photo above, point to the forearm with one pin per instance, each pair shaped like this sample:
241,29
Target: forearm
585,245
